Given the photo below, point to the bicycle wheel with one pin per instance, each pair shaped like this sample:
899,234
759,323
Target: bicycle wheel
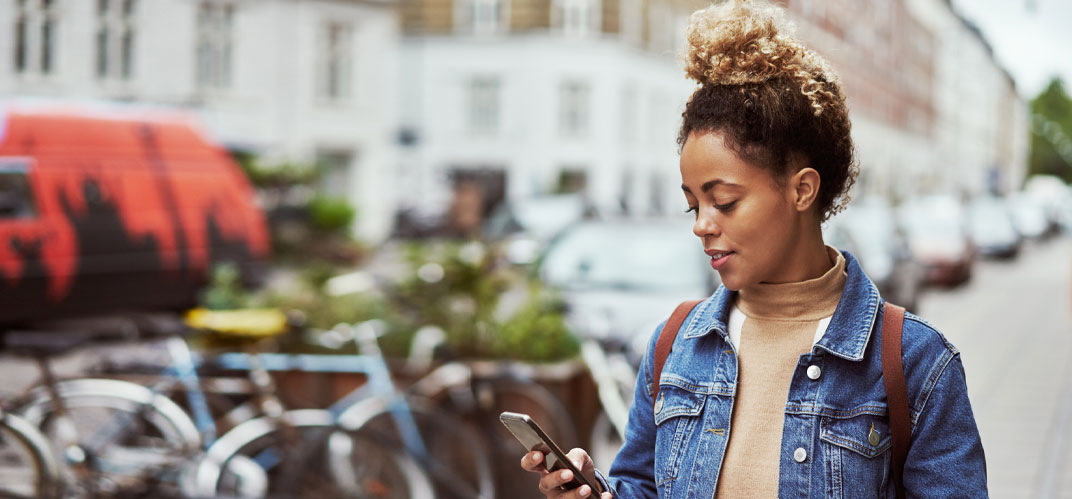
27,466
117,437
294,456
457,459
608,430
605,442
495,395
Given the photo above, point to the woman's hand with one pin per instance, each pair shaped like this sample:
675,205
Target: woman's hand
550,483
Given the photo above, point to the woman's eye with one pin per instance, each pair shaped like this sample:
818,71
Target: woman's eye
725,207
692,209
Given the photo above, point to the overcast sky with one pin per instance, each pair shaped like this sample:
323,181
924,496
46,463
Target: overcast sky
1031,38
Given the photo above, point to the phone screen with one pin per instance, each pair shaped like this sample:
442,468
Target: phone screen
532,437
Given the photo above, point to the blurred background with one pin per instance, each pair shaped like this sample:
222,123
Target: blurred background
480,196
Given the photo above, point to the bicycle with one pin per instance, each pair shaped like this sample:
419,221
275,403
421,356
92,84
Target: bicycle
374,414
121,437
479,391
86,421
28,469
615,378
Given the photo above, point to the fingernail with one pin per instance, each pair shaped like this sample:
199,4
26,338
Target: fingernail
585,490
565,475
536,456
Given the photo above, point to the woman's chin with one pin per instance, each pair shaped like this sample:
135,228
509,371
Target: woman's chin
730,282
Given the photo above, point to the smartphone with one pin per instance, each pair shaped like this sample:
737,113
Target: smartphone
533,438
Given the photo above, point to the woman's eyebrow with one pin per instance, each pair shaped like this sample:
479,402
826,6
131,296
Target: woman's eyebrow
710,184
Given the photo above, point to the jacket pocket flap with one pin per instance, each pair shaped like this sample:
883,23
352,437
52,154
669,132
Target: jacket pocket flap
675,401
866,435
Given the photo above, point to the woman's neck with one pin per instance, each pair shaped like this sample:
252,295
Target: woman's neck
808,259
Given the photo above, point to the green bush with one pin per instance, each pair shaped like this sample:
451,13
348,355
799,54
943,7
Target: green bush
331,215
457,287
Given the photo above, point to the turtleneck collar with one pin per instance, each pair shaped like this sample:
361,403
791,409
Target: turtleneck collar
805,300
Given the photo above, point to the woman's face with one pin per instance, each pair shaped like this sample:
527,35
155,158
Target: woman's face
748,223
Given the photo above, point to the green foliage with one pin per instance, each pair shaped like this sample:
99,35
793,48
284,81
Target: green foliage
225,290
457,287
537,332
330,215
278,176
1054,105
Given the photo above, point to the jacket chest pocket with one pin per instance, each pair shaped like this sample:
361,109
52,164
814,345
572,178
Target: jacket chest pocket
857,453
678,412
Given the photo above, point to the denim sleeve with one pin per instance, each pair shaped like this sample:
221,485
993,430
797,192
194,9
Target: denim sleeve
945,457
632,474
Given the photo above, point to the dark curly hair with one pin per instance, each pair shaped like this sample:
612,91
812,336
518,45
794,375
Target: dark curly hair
777,104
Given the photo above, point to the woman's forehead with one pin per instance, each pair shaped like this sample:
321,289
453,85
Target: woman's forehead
706,163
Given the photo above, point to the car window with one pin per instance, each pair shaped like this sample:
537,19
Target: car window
16,197
624,257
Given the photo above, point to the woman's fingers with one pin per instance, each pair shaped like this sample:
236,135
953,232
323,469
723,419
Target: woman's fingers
550,482
533,461
582,492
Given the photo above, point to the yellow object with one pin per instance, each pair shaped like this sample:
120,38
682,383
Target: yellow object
247,322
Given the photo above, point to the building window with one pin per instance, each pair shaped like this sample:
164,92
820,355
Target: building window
632,20
335,63
628,111
573,108
214,21
336,173
576,17
115,39
483,17
34,30
484,105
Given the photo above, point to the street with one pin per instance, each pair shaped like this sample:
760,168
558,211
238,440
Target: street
1013,326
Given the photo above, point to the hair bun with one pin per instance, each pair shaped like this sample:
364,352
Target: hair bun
739,42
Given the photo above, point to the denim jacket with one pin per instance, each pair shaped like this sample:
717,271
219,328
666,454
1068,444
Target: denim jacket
836,441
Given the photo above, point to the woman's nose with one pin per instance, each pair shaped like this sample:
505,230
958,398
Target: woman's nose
705,225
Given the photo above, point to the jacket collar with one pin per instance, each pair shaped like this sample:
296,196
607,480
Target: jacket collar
846,336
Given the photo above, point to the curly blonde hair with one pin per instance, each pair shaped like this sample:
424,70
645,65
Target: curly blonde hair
770,96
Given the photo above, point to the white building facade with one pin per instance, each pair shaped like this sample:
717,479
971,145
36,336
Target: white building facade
532,97
981,123
548,114
590,95
290,81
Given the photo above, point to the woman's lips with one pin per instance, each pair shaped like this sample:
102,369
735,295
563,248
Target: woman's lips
719,260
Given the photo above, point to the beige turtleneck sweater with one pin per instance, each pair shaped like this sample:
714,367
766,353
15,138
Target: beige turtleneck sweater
778,323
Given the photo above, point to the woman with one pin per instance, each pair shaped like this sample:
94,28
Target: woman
774,385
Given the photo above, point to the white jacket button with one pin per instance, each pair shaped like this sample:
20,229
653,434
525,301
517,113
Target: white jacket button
814,372
800,455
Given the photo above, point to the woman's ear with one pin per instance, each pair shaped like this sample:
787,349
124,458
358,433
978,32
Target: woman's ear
804,188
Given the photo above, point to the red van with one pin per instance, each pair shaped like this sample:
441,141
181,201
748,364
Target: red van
106,208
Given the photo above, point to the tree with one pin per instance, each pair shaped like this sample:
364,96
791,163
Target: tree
1051,144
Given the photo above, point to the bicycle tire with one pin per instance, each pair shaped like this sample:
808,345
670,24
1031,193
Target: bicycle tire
605,442
495,395
27,466
142,439
458,461
608,430
387,473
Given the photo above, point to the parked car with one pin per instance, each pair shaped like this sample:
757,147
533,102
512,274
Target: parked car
938,238
624,277
869,230
108,208
1030,216
991,225
524,227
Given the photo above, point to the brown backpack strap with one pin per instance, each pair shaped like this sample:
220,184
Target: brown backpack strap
666,342
896,391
